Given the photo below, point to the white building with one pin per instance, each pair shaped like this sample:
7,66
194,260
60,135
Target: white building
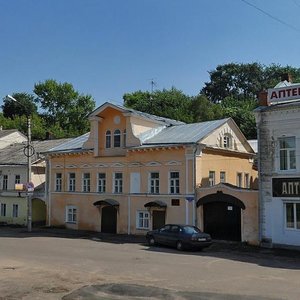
278,124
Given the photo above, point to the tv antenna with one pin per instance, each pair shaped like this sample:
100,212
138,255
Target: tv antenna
153,84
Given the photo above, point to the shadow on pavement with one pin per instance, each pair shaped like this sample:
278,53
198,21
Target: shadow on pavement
134,291
274,258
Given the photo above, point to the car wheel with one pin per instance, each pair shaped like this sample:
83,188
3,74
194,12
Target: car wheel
151,241
179,245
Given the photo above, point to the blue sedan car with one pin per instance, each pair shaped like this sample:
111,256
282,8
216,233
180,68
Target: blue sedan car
179,236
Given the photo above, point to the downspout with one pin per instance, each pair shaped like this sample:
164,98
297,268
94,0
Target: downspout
195,221
129,216
47,188
186,188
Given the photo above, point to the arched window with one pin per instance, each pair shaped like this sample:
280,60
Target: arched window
124,138
108,139
227,141
117,138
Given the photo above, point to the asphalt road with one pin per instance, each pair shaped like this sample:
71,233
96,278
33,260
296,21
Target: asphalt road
63,265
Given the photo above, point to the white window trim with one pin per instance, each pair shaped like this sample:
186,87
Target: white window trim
149,183
294,202
169,182
87,180
60,181
237,179
73,184
67,214
212,181
137,219
287,171
102,179
223,181
113,183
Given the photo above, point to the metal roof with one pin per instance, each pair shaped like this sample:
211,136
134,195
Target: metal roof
14,153
187,133
72,144
166,121
6,132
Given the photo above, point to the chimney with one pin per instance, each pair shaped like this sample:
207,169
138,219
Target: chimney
287,77
263,98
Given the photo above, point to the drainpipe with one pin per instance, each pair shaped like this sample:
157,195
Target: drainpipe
128,212
195,221
47,189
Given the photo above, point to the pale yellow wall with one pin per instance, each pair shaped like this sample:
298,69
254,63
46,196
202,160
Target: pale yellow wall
231,163
249,215
215,139
22,218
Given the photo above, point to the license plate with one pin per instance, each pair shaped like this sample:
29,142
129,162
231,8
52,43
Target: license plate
201,239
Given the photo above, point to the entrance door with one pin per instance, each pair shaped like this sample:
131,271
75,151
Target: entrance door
109,219
158,219
222,221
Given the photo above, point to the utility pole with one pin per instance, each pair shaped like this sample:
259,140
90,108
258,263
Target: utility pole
28,152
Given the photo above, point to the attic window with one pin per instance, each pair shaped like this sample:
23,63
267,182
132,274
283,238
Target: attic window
108,139
227,141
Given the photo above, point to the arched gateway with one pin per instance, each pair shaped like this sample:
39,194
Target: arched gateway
222,216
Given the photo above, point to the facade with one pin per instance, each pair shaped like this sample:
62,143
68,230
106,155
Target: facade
278,123
13,170
135,172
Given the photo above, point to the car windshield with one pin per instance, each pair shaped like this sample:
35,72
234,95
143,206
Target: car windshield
191,229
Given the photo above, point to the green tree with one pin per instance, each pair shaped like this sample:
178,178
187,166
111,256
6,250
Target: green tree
202,109
242,113
64,107
24,106
173,103
244,81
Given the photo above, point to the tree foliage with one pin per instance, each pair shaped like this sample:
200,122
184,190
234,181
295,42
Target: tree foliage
244,81
24,106
64,108
173,103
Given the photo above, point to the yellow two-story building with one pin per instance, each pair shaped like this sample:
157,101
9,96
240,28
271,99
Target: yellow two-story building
134,172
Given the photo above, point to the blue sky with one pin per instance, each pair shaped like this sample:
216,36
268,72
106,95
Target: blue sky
110,47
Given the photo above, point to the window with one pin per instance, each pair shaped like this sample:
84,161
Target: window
118,183
86,182
174,182
71,214
72,182
227,141
247,181
117,138
101,182
239,177
108,139
212,178
154,183
5,182
287,153
17,179
143,220
3,210
58,182
175,202
124,138
15,210
222,176
292,212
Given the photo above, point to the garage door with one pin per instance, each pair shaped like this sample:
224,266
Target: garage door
222,220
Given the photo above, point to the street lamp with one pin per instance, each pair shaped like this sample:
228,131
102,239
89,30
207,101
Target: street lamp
28,151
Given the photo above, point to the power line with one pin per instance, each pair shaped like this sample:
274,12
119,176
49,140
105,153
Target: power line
271,16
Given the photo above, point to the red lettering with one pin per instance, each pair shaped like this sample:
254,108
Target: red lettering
294,92
274,95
